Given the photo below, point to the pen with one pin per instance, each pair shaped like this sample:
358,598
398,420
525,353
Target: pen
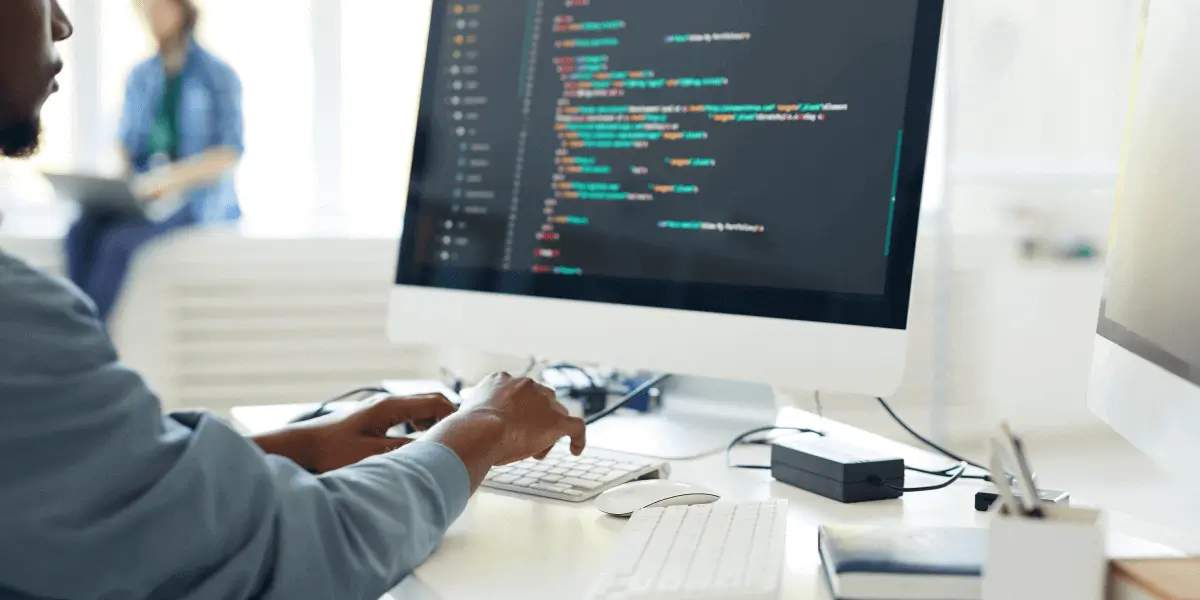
1008,501
1032,498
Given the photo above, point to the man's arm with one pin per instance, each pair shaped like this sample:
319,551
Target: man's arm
102,496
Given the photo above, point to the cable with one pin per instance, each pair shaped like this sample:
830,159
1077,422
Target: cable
531,367
741,440
634,393
570,367
962,469
926,441
946,473
322,410
456,380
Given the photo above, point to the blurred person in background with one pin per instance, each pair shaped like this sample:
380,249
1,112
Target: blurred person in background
181,136
104,496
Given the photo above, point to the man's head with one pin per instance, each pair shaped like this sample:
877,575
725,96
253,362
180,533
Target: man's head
170,21
29,63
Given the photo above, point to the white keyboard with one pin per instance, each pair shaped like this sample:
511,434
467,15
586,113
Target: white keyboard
714,551
562,476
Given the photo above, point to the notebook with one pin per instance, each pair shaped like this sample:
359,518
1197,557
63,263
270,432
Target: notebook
891,563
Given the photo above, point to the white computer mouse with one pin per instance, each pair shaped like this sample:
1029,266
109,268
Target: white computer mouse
624,500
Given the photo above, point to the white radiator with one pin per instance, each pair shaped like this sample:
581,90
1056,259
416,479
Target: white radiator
214,319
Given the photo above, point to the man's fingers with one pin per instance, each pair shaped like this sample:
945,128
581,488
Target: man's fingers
386,445
390,412
547,391
558,407
577,430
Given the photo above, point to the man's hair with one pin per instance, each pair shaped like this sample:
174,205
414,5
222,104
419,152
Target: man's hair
20,139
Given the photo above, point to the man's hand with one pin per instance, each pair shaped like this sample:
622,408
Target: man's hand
345,438
534,419
506,420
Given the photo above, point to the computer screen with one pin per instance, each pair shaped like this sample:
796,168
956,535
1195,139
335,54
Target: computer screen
758,157
1151,305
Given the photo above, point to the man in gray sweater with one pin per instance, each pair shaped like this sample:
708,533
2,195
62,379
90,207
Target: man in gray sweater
102,496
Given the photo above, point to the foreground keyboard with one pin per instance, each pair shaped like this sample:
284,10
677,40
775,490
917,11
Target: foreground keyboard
714,551
562,476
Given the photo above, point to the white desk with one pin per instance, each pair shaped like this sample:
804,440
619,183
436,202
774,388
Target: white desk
511,547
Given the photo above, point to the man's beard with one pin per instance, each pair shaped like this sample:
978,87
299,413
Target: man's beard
20,139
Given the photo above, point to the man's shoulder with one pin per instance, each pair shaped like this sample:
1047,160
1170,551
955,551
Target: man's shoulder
22,283
46,322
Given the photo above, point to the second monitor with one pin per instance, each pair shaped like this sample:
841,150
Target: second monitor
694,186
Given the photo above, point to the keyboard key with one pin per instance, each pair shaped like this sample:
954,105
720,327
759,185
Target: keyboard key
558,471
548,478
525,482
576,473
613,476
550,487
506,479
708,554
657,551
583,484
674,572
592,477
632,542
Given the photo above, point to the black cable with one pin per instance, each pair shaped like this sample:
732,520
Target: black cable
457,381
739,440
927,442
962,469
322,410
946,473
634,393
943,473
570,367
531,367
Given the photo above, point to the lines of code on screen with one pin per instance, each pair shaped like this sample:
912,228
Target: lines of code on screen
749,142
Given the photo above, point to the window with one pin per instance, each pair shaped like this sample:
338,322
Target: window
331,94
383,59
1041,85
124,43
270,44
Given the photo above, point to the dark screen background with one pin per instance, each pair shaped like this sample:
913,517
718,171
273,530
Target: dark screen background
821,190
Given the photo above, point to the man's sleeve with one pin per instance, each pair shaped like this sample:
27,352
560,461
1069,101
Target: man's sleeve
104,497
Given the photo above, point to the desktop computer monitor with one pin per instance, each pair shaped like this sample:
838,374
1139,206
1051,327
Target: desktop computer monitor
1146,375
714,187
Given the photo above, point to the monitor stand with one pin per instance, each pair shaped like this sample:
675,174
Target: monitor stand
697,417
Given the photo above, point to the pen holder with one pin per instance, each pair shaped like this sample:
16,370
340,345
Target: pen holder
1059,557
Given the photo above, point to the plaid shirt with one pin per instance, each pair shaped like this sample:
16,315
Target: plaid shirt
211,117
